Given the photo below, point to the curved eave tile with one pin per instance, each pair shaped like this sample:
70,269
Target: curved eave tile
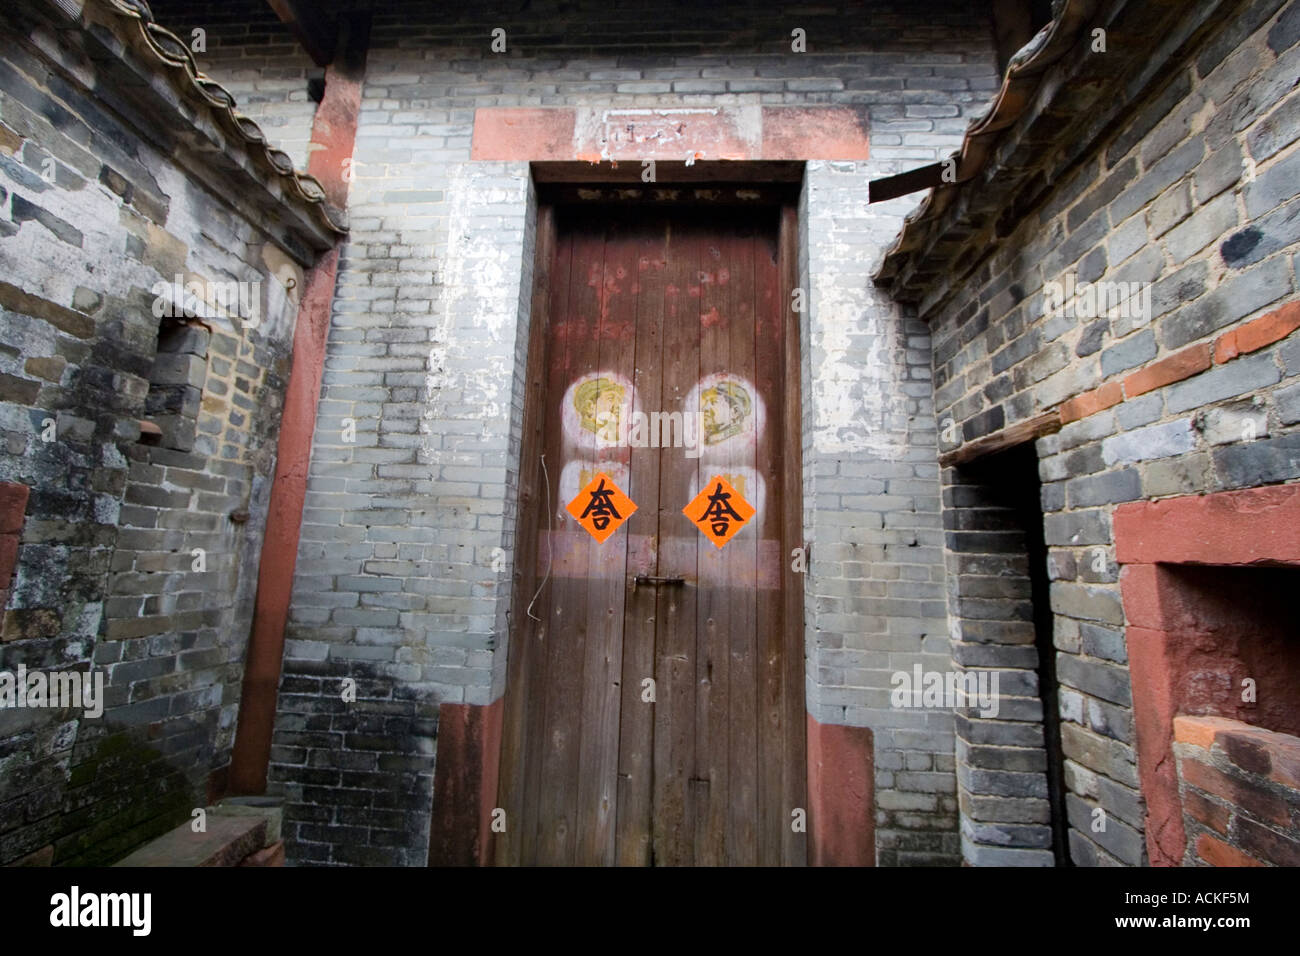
1023,76
170,51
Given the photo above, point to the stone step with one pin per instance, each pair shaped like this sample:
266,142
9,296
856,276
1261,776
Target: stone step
239,832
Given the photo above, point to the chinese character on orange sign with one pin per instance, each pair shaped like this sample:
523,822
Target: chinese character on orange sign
719,510
601,507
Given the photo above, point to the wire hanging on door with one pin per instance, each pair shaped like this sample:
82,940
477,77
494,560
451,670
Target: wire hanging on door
550,543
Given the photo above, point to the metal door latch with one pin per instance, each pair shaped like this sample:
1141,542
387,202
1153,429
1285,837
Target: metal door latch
650,579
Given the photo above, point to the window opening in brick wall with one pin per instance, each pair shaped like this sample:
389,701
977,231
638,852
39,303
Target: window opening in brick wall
176,383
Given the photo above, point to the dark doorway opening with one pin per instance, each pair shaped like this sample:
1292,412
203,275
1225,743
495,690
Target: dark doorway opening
1001,496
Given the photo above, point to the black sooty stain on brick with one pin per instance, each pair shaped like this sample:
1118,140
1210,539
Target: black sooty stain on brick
1238,247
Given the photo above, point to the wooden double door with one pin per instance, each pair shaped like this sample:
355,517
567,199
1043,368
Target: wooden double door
655,701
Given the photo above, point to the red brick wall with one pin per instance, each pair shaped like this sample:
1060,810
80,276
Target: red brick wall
1240,789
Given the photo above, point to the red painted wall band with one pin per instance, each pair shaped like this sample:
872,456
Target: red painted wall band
641,133
841,795
335,130
252,750
13,506
465,783
13,511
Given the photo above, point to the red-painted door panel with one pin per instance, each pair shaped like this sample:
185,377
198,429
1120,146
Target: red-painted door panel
656,706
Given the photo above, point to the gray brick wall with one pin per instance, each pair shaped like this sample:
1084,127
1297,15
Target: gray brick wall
108,580
1195,193
873,600
394,580
395,585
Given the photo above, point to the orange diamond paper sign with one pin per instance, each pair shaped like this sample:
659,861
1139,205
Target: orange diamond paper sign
719,510
601,507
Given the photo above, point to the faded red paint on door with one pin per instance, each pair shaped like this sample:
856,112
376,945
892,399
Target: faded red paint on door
677,316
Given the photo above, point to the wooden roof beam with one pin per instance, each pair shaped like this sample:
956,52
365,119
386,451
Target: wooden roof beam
315,30
1031,429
